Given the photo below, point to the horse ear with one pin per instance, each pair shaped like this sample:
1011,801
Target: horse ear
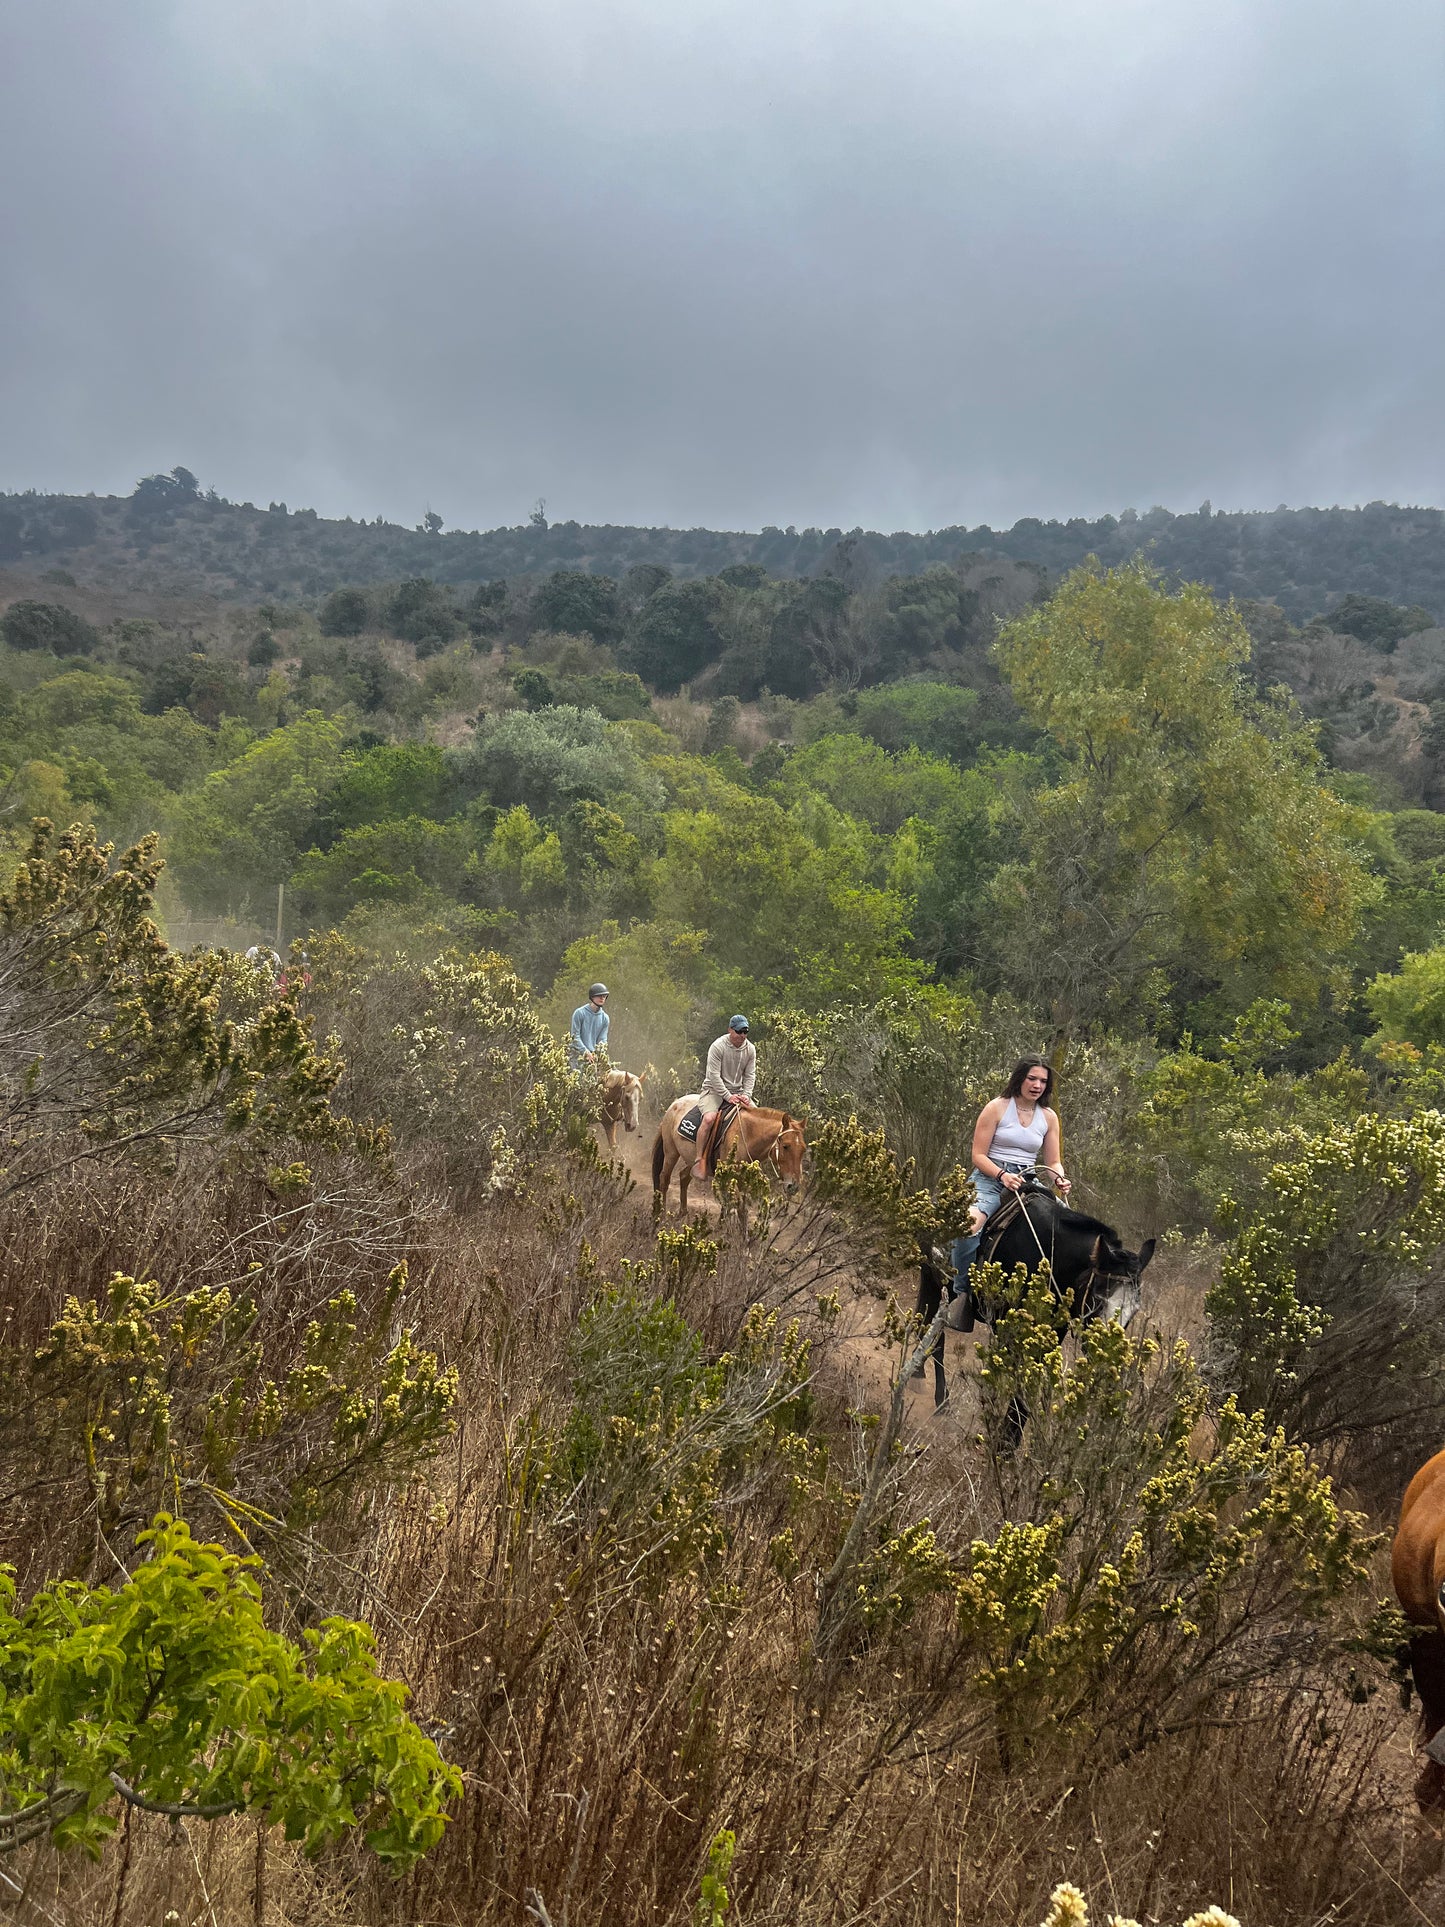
1096,1254
1146,1252
642,1075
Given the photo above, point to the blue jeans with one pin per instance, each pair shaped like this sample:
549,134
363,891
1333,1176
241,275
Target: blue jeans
990,1194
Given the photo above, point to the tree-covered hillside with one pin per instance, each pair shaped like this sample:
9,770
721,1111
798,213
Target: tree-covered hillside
170,535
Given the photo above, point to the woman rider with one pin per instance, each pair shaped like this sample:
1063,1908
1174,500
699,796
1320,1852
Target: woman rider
1014,1133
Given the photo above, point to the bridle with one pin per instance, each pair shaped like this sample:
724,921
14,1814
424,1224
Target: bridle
770,1156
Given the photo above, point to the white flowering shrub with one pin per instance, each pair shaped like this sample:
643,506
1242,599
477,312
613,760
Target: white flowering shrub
1068,1908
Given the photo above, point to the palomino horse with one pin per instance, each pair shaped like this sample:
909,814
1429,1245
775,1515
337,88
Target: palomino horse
621,1100
1417,1566
758,1136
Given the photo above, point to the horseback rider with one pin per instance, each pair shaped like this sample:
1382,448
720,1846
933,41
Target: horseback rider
589,1030
732,1070
1015,1134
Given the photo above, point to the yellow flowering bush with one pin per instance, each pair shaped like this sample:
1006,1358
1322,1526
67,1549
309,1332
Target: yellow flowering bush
1329,1311
1160,1549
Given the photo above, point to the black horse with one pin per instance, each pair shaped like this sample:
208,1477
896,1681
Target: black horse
1090,1270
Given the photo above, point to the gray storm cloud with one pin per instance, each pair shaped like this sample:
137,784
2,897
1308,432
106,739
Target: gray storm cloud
782,262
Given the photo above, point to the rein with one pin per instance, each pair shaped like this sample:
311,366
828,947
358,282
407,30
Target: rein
1087,1281
770,1156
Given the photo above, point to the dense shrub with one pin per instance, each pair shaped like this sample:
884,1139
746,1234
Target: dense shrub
48,625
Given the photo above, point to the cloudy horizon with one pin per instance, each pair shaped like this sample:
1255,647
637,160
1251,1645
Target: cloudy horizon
803,263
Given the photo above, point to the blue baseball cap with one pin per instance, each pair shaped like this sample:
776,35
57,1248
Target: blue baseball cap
737,1023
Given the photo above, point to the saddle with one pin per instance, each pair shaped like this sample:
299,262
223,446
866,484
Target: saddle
712,1150
1008,1213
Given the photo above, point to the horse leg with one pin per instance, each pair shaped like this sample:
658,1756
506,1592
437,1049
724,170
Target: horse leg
609,1125
663,1182
1427,1664
930,1296
940,1380
684,1178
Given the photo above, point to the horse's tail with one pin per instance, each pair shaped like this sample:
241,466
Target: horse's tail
659,1158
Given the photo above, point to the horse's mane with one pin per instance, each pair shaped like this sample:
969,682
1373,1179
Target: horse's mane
1080,1221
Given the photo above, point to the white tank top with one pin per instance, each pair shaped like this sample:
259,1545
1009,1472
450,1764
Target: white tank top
1016,1143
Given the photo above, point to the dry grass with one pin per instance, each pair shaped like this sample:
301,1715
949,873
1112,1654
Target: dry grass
609,1727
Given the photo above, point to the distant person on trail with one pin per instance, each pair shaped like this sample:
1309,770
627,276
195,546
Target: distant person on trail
265,958
297,974
732,1070
589,1030
1015,1133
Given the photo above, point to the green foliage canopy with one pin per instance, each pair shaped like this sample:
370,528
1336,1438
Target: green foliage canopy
171,1692
1190,833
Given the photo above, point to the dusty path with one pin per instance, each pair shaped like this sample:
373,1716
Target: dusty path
857,1351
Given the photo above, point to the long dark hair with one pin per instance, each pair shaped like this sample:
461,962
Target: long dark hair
1015,1084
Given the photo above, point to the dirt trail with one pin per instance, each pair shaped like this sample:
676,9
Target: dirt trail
857,1351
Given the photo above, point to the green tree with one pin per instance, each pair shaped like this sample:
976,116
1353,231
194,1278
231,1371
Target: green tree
553,758
421,611
1380,624
882,790
787,918
385,782
344,613
1408,1006
48,625
574,602
676,635
1189,837
170,1694
242,830
807,646
394,861
940,719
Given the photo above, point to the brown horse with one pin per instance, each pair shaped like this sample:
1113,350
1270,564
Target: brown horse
1417,1566
758,1136
621,1100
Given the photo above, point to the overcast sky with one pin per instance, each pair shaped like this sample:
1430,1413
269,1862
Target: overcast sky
903,264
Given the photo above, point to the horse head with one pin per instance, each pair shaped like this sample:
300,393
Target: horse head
1115,1293
629,1099
787,1152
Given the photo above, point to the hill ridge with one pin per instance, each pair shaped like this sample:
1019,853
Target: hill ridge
170,538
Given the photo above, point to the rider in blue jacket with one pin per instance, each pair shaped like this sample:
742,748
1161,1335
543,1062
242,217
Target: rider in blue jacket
589,1028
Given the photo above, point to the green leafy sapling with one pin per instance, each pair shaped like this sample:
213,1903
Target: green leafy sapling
170,1694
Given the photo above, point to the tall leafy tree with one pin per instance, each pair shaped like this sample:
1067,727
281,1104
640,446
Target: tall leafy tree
1188,835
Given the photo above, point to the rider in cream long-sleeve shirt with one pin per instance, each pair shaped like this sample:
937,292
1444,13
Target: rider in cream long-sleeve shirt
732,1069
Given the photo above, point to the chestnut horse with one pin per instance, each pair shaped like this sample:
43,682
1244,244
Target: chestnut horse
758,1136
621,1098
1417,1566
